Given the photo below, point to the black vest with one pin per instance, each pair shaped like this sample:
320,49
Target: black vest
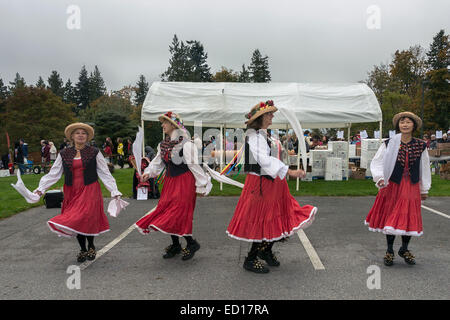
414,148
89,159
174,170
250,164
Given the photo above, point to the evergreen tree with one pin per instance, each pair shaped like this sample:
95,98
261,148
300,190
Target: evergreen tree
40,83
3,90
18,83
244,75
69,93
438,55
259,68
200,71
438,84
82,90
179,65
55,84
141,90
97,86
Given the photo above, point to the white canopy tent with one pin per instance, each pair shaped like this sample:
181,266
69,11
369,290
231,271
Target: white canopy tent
224,104
317,105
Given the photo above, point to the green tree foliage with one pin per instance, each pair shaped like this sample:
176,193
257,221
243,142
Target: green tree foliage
225,75
187,62
244,75
97,86
40,83
141,90
438,77
259,67
56,84
35,114
18,83
69,93
101,112
82,90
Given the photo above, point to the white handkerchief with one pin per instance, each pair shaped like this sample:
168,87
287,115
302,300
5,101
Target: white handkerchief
115,206
29,196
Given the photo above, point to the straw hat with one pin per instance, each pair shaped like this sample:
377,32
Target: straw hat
408,114
79,125
259,110
173,118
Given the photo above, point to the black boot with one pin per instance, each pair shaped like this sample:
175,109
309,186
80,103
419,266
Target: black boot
190,249
265,253
172,250
252,263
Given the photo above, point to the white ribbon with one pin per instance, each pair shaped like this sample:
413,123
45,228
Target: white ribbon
115,206
29,196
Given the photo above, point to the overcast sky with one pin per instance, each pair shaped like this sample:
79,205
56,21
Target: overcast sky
306,41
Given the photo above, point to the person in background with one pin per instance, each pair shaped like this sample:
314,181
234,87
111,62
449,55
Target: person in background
18,155
427,140
444,139
64,144
53,151
107,148
120,153
45,151
433,142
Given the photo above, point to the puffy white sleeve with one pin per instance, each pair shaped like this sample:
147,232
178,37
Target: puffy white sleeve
52,177
202,180
105,175
269,165
376,166
425,172
156,165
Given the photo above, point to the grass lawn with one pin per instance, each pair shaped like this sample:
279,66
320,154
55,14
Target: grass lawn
12,202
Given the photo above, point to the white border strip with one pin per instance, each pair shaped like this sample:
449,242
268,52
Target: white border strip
110,245
437,212
313,256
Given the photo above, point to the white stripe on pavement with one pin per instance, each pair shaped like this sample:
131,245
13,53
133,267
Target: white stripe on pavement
313,256
437,212
110,245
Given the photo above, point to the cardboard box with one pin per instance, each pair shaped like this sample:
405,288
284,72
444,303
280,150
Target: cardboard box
443,146
434,153
370,144
445,167
445,175
358,174
358,151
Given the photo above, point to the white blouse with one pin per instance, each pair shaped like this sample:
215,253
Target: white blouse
261,153
377,168
190,157
103,173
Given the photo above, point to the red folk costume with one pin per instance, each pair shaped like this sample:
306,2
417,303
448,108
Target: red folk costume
397,207
184,178
266,211
82,208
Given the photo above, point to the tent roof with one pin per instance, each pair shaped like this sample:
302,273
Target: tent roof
317,105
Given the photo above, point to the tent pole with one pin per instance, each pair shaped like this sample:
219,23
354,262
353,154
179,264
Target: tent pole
381,133
143,137
221,152
298,160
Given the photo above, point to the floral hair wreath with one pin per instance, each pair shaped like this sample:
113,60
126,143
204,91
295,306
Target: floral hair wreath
262,106
175,118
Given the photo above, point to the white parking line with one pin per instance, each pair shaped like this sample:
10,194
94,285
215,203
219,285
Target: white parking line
437,212
110,245
313,256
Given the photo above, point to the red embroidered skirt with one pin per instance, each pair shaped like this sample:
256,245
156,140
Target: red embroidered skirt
397,209
267,211
82,208
175,210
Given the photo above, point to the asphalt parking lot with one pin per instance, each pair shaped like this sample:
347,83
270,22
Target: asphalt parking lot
37,264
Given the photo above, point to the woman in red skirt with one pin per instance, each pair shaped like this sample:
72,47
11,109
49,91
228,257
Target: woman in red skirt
401,169
82,212
266,211
184,180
